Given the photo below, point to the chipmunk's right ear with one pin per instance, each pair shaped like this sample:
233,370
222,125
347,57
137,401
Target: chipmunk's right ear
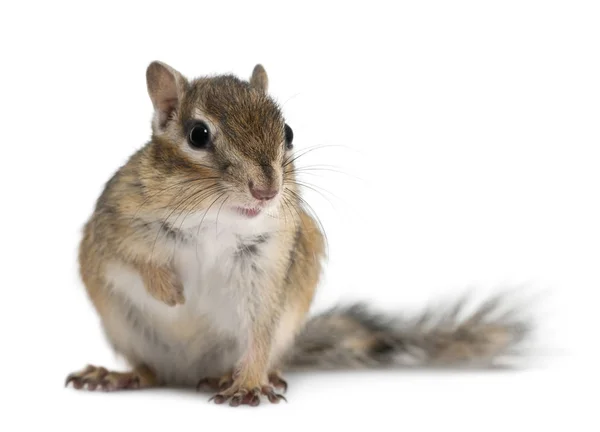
166,87
259,79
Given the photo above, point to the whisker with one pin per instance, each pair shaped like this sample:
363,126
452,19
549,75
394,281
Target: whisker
306,151
284,210
183,202
197,199
219,212
197,202
317,189
202,220
289,99
311,210
159,192
291,206
322,168
285,205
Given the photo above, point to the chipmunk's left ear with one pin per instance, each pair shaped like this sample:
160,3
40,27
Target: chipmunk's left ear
166,87
259,79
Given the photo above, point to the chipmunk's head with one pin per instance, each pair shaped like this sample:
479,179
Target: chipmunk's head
222,138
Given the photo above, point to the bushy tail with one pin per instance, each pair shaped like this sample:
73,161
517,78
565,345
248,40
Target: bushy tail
348,337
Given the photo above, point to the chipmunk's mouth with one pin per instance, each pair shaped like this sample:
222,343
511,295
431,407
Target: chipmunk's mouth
249,212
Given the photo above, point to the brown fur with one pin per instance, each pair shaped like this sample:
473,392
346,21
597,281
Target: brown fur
137,221
162,179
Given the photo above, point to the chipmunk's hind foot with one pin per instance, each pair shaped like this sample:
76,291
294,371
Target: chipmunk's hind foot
219,384
242,395
94,377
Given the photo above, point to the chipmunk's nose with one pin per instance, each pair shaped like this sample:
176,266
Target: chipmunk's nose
262,194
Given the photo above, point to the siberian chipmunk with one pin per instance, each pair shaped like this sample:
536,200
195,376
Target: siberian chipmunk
202,262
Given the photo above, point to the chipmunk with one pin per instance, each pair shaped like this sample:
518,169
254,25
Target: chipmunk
202,261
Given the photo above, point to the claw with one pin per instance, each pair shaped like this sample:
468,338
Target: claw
77,384
277,381
76,377
273,397
218,398
69,379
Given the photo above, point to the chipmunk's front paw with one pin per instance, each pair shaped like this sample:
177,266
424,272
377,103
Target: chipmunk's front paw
94,377
239,394
164,286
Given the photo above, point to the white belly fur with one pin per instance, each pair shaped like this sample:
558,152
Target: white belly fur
206,335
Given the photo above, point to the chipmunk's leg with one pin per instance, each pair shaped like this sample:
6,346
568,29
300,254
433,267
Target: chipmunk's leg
251,374
93,377
284,338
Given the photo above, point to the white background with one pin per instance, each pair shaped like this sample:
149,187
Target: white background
468,135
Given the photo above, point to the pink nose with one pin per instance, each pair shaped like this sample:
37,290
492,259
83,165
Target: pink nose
262,194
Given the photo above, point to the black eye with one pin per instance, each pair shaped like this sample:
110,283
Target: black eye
289,137
199,135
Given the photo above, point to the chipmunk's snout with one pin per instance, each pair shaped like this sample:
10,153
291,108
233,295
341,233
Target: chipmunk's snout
264,182
262,193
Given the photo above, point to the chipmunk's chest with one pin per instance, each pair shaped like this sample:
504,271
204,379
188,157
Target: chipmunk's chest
222,272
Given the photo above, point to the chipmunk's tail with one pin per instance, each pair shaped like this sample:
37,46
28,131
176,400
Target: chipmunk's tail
350,337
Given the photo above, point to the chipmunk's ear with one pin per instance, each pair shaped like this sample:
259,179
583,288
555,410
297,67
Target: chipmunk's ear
166,87
259,79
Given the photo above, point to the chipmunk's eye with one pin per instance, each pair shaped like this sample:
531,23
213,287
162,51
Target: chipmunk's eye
199,135
289,137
